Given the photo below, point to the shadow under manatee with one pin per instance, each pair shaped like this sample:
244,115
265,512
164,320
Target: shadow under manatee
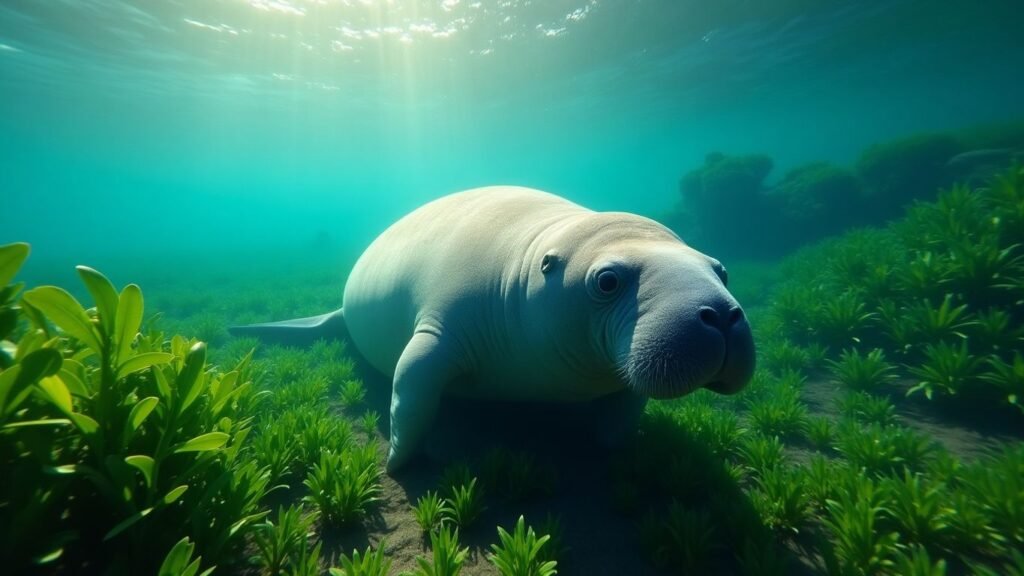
659,503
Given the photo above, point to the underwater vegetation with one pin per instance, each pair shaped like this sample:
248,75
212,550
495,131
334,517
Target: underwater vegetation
818,199
129,449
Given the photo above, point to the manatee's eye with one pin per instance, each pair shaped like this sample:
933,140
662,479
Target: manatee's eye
547,263
607,281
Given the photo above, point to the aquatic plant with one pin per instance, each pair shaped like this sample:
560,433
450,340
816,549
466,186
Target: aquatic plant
465,503
862,372
556,549
353,392
997,483
777,355
319,432
820,476
841,320
518,553
717,430
915,561
279,542
178,561
344,485
860,542
448,557
761,453
867,408
515,474
818,198
932,324
781,414
689,539
306,390
819,431
1008,378
781,499
994,330
946,369
883,449
275,448
106,430
307,560
370,563
761,556
455,474
369,421
898,171
430,510
920,508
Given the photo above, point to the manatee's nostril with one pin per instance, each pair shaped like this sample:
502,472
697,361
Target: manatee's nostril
709,316
735,315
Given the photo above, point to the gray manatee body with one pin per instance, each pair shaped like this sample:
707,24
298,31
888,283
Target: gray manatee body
507,293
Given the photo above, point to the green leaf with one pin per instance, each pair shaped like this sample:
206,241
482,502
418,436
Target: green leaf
176,562
57,393
129,317
137,416
143,361
105,296
145,464
12,256
127,523
8,321
87,425
190,378
62,308
173,495
30,423
39,364
204,443
75,384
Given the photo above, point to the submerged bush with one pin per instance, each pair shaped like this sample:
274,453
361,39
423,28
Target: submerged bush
114,441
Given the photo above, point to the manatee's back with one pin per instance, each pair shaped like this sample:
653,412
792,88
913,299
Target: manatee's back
460,248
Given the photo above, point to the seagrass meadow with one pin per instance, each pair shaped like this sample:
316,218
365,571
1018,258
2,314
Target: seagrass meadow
171,170
881,433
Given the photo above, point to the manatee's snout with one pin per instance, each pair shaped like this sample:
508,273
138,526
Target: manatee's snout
701,341
738,357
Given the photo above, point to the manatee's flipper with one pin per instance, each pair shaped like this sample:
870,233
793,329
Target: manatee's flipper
297,332
424,369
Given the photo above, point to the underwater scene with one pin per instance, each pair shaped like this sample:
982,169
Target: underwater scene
511,287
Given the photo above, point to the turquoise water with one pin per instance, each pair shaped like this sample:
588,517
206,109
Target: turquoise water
205,125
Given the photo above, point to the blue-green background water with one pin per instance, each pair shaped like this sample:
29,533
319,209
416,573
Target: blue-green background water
249,126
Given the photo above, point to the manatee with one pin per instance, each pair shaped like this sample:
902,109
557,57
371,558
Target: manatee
513,294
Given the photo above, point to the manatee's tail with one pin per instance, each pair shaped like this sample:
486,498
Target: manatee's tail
297,332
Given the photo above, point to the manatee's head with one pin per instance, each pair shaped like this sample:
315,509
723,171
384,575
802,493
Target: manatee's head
659,311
